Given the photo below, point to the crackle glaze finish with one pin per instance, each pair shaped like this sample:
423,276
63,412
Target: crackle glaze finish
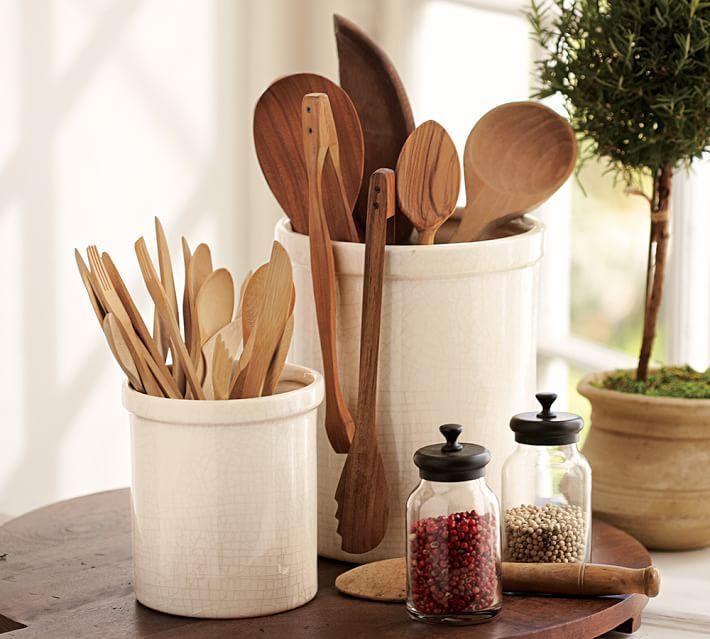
224,500
457,345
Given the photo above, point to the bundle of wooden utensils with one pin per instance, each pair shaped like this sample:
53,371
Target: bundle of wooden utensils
206,361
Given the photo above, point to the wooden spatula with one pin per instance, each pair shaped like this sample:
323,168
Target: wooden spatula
363,492
371,80
279,360
279,148
428,179
516,157
318,136
253,297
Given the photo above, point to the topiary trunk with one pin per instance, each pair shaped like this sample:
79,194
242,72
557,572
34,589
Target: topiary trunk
656,269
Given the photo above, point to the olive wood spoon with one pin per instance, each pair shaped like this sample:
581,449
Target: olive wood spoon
160,299
318,136
121,351
428,179
372,82
279,148
516,156
363,492
387,581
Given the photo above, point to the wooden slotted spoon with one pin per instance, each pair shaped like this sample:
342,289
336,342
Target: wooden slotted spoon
363,492
428,179
516,157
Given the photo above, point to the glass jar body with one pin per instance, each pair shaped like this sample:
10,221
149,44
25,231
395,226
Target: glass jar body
547,512
453,552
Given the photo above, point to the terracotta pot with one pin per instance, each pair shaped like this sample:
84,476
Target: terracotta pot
457,344
649,458
224,500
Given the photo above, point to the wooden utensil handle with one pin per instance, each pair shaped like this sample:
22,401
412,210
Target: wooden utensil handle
318,135
380,207
580,579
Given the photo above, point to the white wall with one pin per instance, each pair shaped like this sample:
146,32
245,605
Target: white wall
111,112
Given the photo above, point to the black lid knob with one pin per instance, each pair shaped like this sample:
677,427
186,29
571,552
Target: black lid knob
452,461
546,428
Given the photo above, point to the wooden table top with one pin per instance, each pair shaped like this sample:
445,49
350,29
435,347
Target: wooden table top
65,571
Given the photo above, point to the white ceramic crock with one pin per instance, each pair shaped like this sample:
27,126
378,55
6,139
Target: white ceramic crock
458,341
224,500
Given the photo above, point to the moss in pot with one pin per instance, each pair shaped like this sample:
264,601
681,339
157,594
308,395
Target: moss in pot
635,78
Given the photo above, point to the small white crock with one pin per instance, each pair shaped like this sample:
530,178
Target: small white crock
458,344
224,500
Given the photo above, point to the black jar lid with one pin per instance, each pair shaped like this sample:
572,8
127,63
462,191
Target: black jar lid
452,461
546,428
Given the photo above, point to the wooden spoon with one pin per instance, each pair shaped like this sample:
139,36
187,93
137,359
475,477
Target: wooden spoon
428,179
363,492
253,296
199,269
214,303
371,80
160,299
516,157
121,350
279,148
387,580
318,135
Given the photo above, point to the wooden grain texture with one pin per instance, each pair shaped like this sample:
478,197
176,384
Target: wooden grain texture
373,84
318,135
363,492
67,575
279,147
214,303
387,580
121,351
516,156
198,270
428,179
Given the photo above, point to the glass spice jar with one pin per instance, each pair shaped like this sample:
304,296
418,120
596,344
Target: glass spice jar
453,535
547,485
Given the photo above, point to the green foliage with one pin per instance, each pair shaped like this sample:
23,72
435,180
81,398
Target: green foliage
669,381
635,75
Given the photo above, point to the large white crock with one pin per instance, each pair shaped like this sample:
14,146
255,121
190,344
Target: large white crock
458,341
224,500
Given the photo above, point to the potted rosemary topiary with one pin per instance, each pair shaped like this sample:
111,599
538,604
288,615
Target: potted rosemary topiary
635,77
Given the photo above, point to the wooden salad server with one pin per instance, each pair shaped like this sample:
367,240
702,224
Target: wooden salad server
279,148
319,135
387,580
363,493
428,179
516,156
373,84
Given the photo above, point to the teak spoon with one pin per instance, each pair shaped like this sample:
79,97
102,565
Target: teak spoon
363,492
318,136
372,82
516,156
428,179
121,351
279,148
387,580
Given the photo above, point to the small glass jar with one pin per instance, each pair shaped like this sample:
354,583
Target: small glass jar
453,535
547,487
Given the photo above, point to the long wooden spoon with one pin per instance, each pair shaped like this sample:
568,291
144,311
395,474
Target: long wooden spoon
121,350
516,157
279,148
363,492
428,179
372,82
318,135
387,580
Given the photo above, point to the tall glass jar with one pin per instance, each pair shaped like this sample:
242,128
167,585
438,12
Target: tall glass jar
547,486
453,535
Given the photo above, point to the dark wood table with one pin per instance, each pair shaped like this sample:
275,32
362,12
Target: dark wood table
65,572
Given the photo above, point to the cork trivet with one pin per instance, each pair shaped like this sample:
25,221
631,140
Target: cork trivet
379,581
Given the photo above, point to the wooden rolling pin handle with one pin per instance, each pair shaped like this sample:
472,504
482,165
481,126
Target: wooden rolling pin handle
581,579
